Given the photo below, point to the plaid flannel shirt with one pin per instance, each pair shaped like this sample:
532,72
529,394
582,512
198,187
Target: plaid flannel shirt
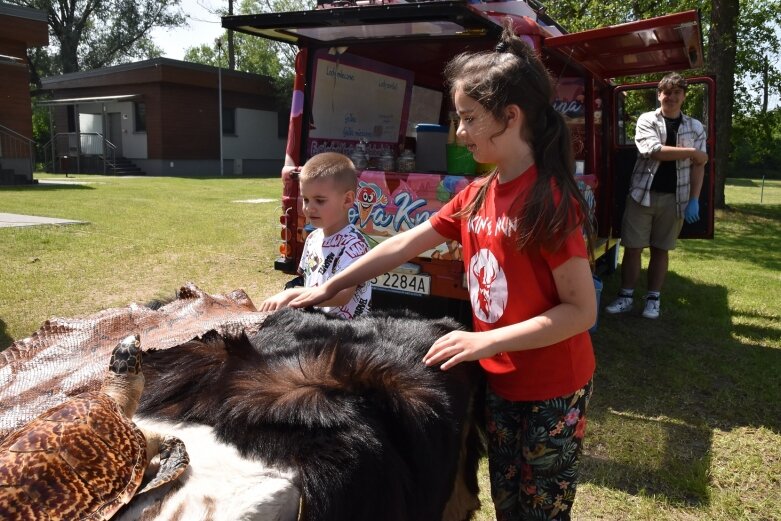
650,135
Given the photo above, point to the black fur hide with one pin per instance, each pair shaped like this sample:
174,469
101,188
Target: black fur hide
374,433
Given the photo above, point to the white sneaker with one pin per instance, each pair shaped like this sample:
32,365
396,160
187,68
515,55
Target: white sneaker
651,308
620,305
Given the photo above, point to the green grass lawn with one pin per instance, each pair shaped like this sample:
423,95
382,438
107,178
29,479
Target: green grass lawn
685,423
144,238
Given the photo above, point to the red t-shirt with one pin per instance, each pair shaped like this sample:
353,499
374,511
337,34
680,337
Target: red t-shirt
507,286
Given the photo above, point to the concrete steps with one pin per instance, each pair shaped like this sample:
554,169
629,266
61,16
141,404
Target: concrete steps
124,166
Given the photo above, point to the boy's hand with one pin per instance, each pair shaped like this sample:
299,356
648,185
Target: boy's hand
311,297
458,346
280,300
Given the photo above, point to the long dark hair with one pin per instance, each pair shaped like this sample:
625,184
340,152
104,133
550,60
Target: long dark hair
513,74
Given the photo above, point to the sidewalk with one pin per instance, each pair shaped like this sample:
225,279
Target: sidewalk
8,220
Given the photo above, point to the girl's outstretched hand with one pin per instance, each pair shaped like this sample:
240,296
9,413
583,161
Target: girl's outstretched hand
280,300
311,297
458,346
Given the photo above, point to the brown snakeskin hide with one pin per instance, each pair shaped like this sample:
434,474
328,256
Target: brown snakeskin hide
69,356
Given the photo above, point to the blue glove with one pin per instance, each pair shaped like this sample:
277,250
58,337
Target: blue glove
692,212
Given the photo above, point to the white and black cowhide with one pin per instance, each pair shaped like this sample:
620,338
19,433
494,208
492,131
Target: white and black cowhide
219,484
346,409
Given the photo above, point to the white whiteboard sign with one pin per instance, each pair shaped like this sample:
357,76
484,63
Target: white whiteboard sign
425,107
356,98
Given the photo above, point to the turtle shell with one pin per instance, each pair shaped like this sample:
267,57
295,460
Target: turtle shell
82,459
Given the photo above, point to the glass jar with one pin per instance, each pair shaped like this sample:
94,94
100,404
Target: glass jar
359,157
406,161
387,161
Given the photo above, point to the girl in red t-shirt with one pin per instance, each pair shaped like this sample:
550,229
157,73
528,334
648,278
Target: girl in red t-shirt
528,273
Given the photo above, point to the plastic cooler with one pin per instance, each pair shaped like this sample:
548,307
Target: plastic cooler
430,148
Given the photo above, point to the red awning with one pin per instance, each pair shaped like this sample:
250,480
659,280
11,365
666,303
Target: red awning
665,43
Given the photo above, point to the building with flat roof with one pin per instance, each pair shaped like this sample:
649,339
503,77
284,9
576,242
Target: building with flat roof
20,29
162,117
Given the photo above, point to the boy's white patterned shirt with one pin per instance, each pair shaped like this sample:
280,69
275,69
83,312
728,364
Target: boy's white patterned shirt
324,257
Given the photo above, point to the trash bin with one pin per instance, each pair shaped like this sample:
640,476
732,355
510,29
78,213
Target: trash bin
598,290
64,164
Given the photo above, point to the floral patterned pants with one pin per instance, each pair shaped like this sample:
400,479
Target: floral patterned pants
533,454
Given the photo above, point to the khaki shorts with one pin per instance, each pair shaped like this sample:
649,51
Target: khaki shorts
657,225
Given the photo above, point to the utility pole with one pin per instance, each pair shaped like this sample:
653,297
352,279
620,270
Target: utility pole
219,96
231,52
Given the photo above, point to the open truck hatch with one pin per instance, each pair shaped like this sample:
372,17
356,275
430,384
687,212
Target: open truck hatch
368,83
376,23
665,43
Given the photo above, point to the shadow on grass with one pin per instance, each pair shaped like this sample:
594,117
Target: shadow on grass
733,181
44,187
5,338
209,177
663,386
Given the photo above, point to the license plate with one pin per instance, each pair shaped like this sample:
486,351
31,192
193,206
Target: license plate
404,283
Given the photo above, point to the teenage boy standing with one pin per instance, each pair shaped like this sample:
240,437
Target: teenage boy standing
664,190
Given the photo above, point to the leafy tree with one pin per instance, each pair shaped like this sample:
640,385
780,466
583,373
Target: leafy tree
579,15
205,55
89,34
254,54
756,57
756,143
41,130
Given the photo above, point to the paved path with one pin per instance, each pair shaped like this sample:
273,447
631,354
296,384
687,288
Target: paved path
256,201
8,220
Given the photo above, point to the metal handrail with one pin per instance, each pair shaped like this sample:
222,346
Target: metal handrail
65,145
13,144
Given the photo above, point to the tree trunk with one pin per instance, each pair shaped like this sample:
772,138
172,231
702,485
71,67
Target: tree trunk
69,54
721,64
35,77
765,84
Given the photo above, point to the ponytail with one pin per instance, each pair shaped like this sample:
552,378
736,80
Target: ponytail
542,221
513,74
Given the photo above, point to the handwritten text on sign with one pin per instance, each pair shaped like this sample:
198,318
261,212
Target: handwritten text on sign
356,98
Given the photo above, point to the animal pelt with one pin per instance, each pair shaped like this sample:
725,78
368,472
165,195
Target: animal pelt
219,484
373,433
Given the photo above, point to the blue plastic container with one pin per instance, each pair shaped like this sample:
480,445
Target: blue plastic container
430,148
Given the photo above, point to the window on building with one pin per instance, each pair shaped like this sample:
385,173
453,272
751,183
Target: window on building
229,121
283,120
139,117
71,110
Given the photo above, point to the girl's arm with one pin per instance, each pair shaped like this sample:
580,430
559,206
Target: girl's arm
384,257
280,300
340,299
283,299
576,313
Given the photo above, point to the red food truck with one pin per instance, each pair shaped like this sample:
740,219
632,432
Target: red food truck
368,83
